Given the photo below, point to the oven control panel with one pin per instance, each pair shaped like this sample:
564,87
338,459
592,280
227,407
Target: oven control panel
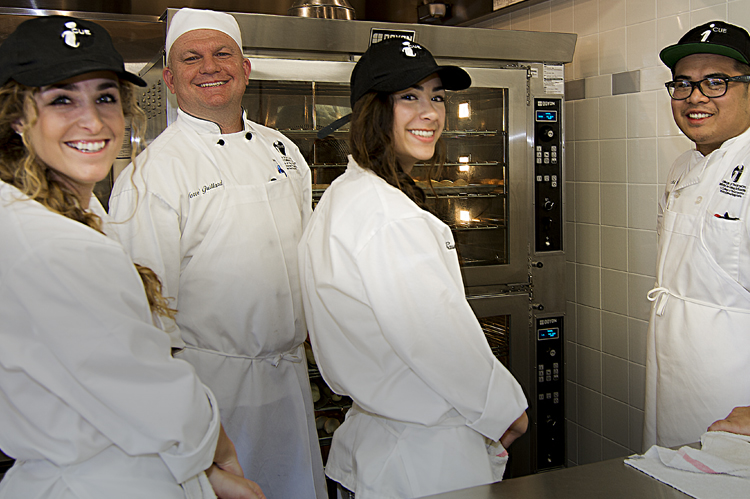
548,185
550,381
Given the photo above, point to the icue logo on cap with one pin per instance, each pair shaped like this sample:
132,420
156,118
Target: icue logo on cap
70,36
714,29
409,47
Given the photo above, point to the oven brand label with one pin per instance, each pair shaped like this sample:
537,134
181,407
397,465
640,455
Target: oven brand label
379,34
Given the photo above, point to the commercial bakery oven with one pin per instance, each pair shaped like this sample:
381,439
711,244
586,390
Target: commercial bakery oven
501,191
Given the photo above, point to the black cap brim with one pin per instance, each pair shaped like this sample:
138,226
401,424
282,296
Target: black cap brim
52,74
672,54
452,78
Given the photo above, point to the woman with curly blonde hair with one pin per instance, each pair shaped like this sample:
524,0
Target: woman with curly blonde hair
92,403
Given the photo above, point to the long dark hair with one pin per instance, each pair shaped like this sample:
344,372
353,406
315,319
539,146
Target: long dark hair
22,168
371,145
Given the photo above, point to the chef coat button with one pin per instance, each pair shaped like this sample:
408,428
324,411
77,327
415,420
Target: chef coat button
221,142
249,135
698,200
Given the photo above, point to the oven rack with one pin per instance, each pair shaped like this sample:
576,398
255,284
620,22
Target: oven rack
496,333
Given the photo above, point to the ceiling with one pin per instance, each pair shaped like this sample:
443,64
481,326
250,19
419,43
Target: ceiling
404,11
139,36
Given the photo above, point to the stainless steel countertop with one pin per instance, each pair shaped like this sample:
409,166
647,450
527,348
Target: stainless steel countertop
610,479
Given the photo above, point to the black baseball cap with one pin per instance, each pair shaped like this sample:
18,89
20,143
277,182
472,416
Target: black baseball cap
46,50
392,65
716,37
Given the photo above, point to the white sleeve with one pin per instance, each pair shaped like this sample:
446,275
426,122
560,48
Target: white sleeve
80,310
426,319
149,229
306,198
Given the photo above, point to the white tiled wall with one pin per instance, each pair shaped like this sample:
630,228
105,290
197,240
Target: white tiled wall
618,151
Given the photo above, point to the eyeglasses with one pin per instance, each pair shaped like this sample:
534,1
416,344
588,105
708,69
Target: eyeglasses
710,87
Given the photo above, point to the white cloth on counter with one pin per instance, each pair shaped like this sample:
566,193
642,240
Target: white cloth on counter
719,469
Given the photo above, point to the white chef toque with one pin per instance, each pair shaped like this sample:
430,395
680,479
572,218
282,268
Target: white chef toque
187,19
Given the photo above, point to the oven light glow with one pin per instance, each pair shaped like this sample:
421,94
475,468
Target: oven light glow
464,216
463,110
463,167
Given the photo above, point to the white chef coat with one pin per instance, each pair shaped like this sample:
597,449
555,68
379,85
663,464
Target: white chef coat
92,404
391,328
218,218
698,344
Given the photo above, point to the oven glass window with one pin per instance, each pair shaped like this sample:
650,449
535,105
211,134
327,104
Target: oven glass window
469,194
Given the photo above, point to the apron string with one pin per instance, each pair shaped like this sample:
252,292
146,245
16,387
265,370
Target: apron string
398,428
292,355
660,295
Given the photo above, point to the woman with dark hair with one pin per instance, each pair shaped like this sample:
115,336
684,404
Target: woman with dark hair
389,322
91,402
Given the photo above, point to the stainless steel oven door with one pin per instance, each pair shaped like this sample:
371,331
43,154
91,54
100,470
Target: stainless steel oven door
511,311
536,359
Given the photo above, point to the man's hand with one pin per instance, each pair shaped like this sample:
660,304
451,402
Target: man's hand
738,421
515,430
225,457
229,486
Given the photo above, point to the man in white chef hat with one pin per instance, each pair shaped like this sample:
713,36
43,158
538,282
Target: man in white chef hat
216,208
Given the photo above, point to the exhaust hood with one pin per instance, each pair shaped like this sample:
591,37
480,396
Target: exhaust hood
327,9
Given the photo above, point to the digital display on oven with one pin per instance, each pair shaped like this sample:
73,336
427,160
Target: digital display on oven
550,116
549,333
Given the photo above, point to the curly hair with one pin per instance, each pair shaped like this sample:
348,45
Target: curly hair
371,145
21,167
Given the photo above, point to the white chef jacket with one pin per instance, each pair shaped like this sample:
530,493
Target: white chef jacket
698,343
91,402
218,218
391,328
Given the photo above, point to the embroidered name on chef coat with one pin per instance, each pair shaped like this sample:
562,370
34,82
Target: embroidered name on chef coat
206,188
288,162
732,186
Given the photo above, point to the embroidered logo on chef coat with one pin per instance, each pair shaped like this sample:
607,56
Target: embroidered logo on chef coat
279,168
731,186
69,36
450,245
737,173
288,162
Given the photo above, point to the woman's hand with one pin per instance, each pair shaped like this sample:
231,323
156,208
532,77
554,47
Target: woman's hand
229,486
225,456
738,421
515,430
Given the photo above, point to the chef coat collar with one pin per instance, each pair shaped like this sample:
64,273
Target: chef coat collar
207,127
689,177
744,137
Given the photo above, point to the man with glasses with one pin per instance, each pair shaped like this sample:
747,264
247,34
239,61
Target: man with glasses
698,347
